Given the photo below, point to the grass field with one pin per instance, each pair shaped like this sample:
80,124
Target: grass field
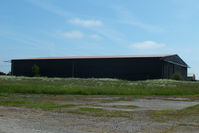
75,86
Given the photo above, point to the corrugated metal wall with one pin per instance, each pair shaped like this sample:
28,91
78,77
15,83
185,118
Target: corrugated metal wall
121,68
169,69
131,69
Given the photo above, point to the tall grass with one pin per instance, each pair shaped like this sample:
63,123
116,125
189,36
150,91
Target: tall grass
75,86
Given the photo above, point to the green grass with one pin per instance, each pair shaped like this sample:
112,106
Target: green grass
47,106
101,112
75,86
119,106
188,125
166,115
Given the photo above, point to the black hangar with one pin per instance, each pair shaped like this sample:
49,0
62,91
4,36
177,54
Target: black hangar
132,67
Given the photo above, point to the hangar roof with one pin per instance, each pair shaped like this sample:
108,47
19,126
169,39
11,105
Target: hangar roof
99,57
170,58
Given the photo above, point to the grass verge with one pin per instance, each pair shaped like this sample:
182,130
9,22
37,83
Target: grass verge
166,115
72,86
46,106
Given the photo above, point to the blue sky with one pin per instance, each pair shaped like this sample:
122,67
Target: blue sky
43,28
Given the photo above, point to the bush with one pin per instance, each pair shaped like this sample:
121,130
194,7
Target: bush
177,76
2,73
9,73
35,71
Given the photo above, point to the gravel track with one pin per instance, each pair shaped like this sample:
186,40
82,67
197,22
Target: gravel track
23,120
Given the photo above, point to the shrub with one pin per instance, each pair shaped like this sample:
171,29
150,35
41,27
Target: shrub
177,76
36,71
2,73
9,73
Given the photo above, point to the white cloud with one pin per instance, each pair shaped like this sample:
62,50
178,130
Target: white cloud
127,17
148,27
107,32
79,35
73,34
147,45
86,23
50,7
95,37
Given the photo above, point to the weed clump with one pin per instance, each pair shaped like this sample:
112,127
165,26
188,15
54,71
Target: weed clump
177,76
36,71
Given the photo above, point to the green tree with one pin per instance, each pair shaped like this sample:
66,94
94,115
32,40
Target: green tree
2,73
36,70
177,76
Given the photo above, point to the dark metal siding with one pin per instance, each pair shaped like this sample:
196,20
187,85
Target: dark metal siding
122,68
50,68
169,69
182,70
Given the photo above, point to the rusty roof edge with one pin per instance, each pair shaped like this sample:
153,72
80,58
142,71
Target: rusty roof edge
99,57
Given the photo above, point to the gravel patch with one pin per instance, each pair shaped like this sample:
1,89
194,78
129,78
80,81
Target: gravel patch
24,120
154,104
50,122
103,98
20,123
178,98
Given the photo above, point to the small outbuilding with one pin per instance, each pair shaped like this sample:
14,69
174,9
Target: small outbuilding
191,77
132,67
